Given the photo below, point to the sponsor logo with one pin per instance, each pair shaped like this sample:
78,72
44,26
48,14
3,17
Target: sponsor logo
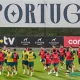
71,40
54,39
1,41
53,42
74,41
8,40
39,41
25,41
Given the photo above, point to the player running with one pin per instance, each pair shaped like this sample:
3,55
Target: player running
42,57
78,54
10,63
24,60
48,61
69,59
55,60
15,60
53,48
1,60
73,52
31,56
62,55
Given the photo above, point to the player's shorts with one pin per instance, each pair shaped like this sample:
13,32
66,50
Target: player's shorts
55,64
61,58
69,62
42,60
10,64
5,60
24,62
48,65
1,63
73,59
79,60
31,64
15,63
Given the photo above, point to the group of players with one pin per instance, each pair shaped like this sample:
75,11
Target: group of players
10,57
57,57
48,57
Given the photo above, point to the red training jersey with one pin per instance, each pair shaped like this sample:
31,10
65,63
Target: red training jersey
54,49
16,57
78,53
48,58
62,52
69,56
55,57
42,54
1,56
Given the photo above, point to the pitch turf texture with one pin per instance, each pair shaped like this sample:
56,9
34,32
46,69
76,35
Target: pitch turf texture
39,73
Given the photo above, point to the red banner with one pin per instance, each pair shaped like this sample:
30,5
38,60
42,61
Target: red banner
71,40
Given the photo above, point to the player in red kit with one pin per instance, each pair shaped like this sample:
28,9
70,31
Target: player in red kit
69,60
15,61
1,60
62,55
53,48
42,56
48,61
55,60
78,54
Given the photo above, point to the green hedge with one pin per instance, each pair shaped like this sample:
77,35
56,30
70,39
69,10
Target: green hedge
40,31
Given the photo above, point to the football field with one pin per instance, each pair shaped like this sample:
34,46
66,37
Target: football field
39,73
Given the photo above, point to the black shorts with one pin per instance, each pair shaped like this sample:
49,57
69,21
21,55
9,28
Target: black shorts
1,62
24,62
5,60
79,60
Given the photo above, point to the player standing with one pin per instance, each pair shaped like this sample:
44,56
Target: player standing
48,61
1,60
62,55
4,50
42,57
78,54
10,63
24,60
55,60
31,56
15,60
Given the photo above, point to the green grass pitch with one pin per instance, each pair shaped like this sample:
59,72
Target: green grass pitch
39,73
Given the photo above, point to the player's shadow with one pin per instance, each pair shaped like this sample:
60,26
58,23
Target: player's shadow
23,76
40,78
39,71
77,70
17,77
13,78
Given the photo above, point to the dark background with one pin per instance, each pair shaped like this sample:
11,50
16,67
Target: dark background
33,41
